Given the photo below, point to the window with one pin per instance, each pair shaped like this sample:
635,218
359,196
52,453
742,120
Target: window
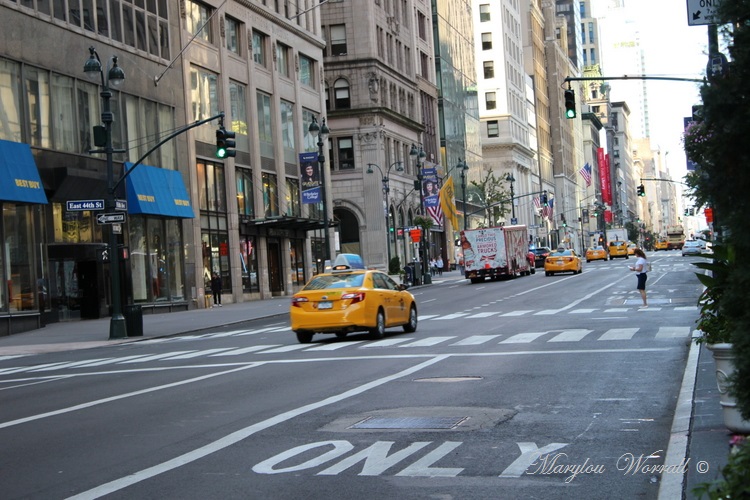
490,100
492,129
249,262
422,25
232,30
583,33
346,153
88,114
63,113
293,208
306,71
310,142
36,82
338,40
484,13
238,108
259,48
486,41
245,200
196,17
265,130
489,69
287,131
593,56
341,94
211,191
282,59
270,195
591,33
203,94
616,153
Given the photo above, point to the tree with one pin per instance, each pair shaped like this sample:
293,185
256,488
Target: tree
495,200
722,180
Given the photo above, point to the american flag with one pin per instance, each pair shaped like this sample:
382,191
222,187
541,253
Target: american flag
549,209
586,173
436,213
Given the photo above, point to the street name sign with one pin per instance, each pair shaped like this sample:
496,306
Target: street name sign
83,205
110,218
121,205
702,12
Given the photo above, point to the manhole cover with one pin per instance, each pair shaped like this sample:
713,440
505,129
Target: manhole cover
409,423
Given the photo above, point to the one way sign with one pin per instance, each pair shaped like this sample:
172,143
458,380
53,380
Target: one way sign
702,12
110,218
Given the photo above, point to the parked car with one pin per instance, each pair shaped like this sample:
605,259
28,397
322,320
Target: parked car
351,298
692,247
596,253
562,261
618,249
540,255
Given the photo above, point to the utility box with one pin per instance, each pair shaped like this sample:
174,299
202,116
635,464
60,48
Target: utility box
133,320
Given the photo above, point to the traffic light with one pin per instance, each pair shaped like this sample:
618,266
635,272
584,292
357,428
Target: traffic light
570,104
641,190
543,199
687,212
225,143
562,219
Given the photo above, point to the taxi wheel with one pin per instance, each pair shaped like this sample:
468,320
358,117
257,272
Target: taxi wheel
303,336
378,331
411,326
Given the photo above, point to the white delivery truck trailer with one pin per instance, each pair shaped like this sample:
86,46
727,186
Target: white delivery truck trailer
495,252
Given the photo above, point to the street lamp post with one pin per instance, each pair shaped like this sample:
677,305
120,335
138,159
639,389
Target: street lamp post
418,155
463,167
321,132
386,189
509,177
115,76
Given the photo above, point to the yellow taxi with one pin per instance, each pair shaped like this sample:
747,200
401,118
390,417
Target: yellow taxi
661,245
562,260
351,298
618,249
596,253
631,248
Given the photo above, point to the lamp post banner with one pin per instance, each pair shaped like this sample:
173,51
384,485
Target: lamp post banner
308,164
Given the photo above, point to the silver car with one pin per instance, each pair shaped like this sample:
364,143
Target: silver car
692,247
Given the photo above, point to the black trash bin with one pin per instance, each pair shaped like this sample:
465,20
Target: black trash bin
133,320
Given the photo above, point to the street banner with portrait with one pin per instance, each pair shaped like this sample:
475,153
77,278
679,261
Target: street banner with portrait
431,194
310,177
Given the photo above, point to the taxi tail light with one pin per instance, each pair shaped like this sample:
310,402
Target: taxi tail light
297,301
354,297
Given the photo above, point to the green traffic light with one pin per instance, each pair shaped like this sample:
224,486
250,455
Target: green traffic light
221,153
570,113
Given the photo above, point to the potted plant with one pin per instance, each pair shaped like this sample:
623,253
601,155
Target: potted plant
733,482
716,330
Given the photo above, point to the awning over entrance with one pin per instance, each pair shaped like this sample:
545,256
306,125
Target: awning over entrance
157,191
19,177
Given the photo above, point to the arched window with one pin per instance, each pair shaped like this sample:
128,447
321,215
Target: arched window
341,94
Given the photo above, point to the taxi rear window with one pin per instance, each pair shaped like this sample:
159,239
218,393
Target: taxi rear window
328,281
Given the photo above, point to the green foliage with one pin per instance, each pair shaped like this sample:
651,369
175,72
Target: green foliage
722,182
489,194
633,229
734,481
394,266
424,222
713,322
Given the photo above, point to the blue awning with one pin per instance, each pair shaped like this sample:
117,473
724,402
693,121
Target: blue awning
157,191
19,177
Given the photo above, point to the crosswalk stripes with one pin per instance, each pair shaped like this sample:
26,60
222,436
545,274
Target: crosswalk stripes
398,342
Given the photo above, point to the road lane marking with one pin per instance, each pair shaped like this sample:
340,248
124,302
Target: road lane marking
673,332
335,345
237,436
516,313
523,338
287,348
155,356
476,340
243,350
190,355
582,311
386,342
482,315
429,341
423,317
451,316
619,334
570,335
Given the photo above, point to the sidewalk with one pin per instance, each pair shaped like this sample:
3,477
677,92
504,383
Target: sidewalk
698,433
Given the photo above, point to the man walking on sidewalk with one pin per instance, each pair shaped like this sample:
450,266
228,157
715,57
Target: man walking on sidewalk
216,289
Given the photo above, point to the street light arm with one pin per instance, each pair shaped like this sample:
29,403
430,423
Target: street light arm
163,141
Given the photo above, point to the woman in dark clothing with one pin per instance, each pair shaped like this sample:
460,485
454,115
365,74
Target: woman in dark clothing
216,289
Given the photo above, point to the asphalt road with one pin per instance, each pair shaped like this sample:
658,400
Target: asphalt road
538,387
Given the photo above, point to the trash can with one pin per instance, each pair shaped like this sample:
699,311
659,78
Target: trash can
133,320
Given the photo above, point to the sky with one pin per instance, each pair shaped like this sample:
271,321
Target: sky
675,49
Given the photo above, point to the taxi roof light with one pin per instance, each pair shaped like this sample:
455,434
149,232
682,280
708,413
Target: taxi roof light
347,262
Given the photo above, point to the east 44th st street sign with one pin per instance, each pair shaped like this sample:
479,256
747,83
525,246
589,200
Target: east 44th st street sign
110,218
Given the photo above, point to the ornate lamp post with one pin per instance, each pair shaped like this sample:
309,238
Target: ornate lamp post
463,167
386,189
509,177
418,155
114,77
321,132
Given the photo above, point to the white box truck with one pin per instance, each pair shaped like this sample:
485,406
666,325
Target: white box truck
495,252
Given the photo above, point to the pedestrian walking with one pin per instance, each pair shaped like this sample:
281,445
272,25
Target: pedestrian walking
641,269
440,265
216,289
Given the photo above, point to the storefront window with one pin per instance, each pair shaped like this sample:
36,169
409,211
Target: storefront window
156,259
74,227
249,262
20,251
216,259
175,259
157,264
138,254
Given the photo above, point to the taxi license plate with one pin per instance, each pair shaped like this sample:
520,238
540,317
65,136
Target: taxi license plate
560,262
325,305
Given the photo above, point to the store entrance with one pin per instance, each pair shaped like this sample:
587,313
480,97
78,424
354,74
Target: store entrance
275,273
